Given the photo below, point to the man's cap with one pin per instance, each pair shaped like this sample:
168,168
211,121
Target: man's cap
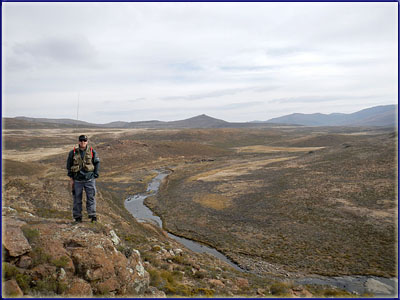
83,137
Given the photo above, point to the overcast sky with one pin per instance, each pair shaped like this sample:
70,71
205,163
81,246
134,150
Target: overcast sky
172,61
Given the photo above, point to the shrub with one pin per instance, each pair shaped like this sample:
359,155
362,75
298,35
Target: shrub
39,256
169,282
335,293
155,278
9,271
156,248
61,262
46,286
204,291
200,274
24,282
178,259
279,288
31,234
52,213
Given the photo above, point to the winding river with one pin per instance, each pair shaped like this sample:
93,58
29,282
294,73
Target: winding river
142,213
380,287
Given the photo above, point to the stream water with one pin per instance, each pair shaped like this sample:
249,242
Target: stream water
142,213
380,287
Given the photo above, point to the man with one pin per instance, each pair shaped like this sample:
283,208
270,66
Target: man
83,169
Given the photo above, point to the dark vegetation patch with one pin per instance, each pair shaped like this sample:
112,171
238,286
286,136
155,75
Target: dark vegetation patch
16,168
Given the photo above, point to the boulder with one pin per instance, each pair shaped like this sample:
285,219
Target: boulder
14,240
108,286
24,262
11,288
114,238
300,292
242,283
377,287
84,260
178,251
216,283
79,287
42,271
153,292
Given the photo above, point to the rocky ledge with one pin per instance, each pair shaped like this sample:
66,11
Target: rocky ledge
60,258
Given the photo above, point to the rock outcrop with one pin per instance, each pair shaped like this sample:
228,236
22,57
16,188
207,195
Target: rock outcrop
14,240
71,260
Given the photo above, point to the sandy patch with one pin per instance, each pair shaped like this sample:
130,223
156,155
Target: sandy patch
234,188
270,149
214,201
235,170
36,154
388,214
361,133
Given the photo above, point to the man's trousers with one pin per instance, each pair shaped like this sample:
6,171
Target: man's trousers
90,190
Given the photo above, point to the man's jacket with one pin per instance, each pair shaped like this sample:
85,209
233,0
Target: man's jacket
83,165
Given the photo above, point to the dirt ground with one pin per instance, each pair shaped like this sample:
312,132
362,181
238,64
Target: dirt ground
309,200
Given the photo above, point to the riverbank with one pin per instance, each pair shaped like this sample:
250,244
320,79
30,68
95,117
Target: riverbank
357,285
136,206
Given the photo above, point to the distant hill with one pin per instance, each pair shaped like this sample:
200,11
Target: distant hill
375,116
39,123
202,121
55,121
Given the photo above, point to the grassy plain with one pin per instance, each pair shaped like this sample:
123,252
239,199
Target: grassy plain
289,200
292,201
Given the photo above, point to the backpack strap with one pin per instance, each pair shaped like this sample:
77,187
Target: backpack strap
91,150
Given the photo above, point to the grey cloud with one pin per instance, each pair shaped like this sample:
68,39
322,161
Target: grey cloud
15,64
284,51
323,99
219,93
185,66
234,106
137,99
112,101
73,49
248,68
305,99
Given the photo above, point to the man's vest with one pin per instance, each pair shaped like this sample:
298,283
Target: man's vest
86,163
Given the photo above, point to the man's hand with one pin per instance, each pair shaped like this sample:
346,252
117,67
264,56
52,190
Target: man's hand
71,184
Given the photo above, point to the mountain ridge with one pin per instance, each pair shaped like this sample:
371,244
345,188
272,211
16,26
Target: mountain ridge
384,115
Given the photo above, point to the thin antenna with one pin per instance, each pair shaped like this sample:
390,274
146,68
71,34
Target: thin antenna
77,109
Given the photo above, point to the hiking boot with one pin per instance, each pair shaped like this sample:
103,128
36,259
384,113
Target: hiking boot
78,220
94,219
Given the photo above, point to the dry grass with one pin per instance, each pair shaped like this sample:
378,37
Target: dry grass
214,201
236,169
387,215
234,188
270,149
35,154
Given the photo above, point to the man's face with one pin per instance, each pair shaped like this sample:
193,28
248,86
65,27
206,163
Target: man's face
83,143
